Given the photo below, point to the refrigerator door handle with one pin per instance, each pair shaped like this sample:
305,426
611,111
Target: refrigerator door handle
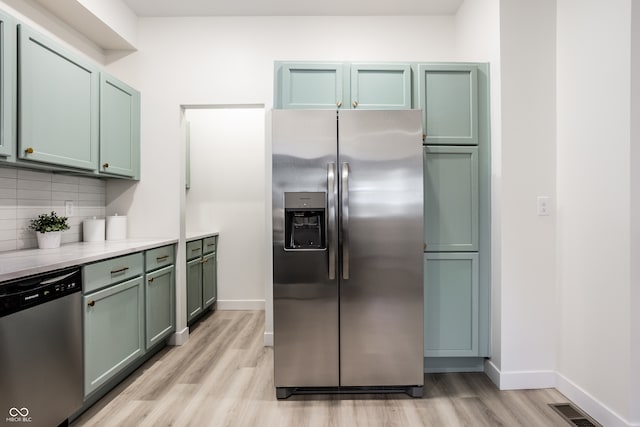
344,224
331,201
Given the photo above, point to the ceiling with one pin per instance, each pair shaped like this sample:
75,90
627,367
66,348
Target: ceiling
165,8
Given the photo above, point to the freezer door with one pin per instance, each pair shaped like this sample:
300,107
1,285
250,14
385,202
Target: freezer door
305,285
381,233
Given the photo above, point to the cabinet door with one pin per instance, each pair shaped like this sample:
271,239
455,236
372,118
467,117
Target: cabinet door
450,198
119,128
308,85
448,97
58,104
381,86
451,304
209,279
7,85
194,288
160,306
113,331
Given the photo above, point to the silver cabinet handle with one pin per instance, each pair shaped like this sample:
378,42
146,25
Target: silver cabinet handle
344,226
120,270
331,201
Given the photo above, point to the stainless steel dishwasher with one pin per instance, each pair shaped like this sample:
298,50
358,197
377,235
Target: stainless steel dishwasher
41,371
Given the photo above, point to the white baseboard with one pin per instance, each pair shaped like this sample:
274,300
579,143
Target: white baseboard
268,339
551,379
492,372
179,338
240,304
596,409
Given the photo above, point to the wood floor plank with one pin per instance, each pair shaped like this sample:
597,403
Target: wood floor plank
223,376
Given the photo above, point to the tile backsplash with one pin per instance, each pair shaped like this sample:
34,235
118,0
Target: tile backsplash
24,194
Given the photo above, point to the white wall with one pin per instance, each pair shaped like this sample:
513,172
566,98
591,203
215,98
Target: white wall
594,223
634,301
527,255
227,195
38,18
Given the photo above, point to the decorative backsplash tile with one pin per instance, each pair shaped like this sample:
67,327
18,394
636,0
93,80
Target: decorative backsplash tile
24,194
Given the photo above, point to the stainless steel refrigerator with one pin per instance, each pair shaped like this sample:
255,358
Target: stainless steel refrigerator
347,251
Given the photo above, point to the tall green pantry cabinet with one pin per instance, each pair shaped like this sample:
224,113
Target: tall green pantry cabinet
454,100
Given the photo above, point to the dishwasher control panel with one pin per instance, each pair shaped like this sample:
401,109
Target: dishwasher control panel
23,293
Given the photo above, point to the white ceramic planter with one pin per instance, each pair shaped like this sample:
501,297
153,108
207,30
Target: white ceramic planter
49,240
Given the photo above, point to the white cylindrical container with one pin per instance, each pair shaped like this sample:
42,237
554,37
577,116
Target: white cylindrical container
116,227
93,230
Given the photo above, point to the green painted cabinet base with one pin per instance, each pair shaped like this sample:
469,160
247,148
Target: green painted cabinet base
194,289
453,364
209,280
160,305
113,331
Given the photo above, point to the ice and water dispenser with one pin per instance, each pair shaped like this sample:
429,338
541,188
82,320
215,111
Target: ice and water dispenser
305,221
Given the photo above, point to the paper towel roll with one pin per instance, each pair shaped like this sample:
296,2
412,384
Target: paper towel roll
116,227
93,230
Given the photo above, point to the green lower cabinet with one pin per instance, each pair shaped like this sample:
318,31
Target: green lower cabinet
194,288
160,304
451,319
113,331
209,279
381,86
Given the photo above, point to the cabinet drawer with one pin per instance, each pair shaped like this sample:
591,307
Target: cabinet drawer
159,257
114,270
194,249
209,244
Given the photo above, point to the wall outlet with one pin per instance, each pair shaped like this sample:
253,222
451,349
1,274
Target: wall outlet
543,205
68,208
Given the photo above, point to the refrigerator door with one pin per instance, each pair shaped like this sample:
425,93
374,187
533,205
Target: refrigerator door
305,285
381,233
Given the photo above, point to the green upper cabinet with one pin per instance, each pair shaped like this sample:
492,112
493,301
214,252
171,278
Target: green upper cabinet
7,85
448,97
58,116
381,86
119,128
451,198
311,85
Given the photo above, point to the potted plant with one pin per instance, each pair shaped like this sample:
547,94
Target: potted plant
48,228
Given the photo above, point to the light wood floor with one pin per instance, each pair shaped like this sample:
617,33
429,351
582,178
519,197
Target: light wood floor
223,376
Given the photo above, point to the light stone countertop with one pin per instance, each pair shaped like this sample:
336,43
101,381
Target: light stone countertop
192,235
26,262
